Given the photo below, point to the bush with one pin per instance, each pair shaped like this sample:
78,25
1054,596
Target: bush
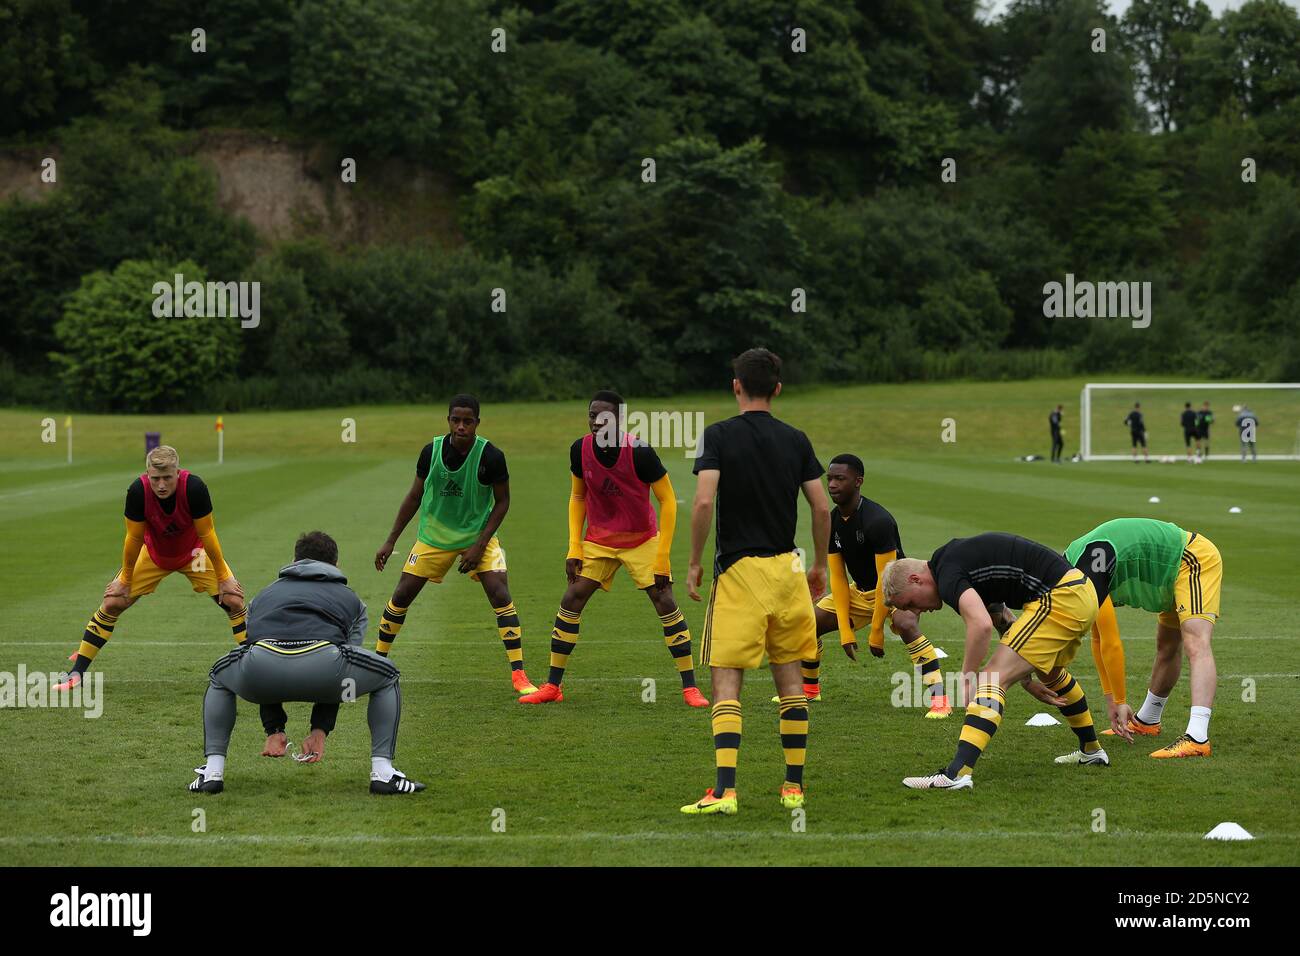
114,356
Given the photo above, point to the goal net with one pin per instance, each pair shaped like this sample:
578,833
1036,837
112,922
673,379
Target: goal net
1274,407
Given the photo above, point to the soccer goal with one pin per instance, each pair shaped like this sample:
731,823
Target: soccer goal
1104,406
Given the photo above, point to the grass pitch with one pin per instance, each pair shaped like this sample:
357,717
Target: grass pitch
598,779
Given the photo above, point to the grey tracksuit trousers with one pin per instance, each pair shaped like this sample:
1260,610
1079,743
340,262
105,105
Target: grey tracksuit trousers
315,672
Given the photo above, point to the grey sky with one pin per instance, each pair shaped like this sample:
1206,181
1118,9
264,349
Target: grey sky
1118,7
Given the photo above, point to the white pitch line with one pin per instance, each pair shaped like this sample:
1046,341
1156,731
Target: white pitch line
309,839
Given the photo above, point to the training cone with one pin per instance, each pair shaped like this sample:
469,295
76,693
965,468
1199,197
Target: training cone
1234,510
939,652
1229,831
1042,720
1153,500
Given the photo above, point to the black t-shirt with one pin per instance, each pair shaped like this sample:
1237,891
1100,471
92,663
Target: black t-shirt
763,463
1088,562
1002,568
1189,421
1204,419
1134,421
491,464
197,497
644,459
869,531
1054,420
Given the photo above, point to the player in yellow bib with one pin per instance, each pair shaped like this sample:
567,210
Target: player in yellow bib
462,493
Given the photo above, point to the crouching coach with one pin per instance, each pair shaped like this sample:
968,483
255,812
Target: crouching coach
305,631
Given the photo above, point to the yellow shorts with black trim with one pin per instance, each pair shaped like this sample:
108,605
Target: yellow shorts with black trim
600,563
146,576
760,606
1050,630
1196,591
862,606
426,561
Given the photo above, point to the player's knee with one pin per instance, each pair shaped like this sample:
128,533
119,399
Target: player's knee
116,605
906,625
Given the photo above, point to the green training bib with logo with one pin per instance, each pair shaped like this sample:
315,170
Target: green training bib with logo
456,505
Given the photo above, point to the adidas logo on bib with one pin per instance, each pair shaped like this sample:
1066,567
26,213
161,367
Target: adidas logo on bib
610,488
451,489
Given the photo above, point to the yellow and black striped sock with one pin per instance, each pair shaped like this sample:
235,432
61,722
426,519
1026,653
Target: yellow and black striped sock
1076,711
564,637
512,634
983,717
389,625
812,671
794,736
677,635
921,651
239,624
726,743
98,630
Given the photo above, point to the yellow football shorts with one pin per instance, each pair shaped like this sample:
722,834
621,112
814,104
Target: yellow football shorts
426,561
600,563
146,576
760,606
1196,591
862,605
1050,630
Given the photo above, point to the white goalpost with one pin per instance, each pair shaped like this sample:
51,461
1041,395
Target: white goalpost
1278,412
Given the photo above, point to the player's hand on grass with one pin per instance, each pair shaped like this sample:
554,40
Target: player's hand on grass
877,650
694,578
277,745
572,568
1120,715
1039,691
383,554
470,557
313,747
851,649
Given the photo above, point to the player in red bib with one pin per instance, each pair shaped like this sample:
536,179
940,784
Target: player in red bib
168,528
612,475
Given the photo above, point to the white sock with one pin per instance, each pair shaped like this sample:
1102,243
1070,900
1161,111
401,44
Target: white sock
1151,709
381,768
216,767
1198,725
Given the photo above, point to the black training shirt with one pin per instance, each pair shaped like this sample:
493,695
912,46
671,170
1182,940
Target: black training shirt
869,531
763,463
196,495
1134,421
1002,568
491,464
644,459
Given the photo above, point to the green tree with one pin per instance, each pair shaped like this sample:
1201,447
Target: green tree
117,356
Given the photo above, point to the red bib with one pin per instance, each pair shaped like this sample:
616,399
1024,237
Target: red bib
170,538
619,513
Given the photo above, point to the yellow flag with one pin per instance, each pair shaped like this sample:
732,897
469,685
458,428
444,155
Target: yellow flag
68,422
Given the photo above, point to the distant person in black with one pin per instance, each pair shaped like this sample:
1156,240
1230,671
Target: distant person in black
1060,605
1247,425
1137,430
1204,419
864,538
755,466
1190,432
1058,443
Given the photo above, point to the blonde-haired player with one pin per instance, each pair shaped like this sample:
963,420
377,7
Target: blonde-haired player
168,529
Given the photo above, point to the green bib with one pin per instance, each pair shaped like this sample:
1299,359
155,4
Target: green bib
1148,554
456,505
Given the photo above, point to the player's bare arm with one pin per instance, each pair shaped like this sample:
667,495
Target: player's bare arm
706,488
979,632
405,512
470,558
815,493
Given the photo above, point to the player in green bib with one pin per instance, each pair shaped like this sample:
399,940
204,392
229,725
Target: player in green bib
1177,574
462,493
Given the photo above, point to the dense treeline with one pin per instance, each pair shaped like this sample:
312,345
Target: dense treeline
775,170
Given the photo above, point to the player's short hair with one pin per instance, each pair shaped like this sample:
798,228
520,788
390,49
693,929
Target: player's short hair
316,546
463,400
853,461
894,577
758,371
1187,404
162,456
608,395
